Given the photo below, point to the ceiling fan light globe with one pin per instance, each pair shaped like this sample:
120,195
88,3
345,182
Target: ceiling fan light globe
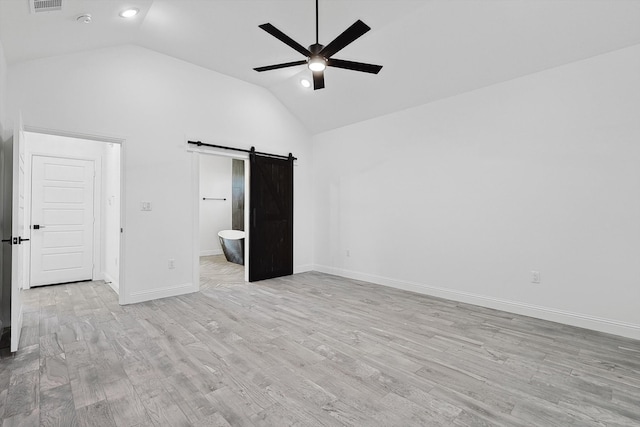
317,64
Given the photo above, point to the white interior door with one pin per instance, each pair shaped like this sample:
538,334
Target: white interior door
62,220
18,233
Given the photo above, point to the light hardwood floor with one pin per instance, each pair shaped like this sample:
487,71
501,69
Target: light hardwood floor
306,350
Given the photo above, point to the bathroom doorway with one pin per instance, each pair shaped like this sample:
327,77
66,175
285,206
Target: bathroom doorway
267,239
222,249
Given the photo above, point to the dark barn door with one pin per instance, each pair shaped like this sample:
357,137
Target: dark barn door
271,217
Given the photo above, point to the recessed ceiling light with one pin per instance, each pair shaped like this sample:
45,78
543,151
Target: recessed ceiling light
129,13
305,83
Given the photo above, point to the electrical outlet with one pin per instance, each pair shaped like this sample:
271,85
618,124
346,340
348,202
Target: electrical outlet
535,276
172,264
145,206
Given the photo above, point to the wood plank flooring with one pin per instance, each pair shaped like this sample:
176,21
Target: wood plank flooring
306,350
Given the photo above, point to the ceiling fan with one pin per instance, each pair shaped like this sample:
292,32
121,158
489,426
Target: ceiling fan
318,57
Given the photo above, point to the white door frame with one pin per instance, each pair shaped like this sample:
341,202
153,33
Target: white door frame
195,197
104,139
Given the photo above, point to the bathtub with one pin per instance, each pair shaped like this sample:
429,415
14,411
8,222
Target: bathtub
232,242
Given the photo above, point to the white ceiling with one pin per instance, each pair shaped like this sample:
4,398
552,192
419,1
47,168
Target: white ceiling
430,49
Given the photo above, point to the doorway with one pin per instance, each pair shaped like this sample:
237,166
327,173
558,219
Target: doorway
16,156
268,214
222,249
73,209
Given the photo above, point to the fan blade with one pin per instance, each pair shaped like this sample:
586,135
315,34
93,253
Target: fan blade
285,39
348,36
318,80
355,66
277,66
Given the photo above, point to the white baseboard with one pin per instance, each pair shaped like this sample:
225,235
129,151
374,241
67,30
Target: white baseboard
210,252
169,291
303,268
112,283
610,326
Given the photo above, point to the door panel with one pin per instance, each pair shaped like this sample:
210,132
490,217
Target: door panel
19,232
65,239
65,261
63,195
61,216
62,173
271,217
62,210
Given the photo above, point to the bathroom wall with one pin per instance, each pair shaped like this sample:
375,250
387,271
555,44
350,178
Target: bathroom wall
215,215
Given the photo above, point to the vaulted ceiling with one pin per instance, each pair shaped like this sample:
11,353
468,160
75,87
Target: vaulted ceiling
430,49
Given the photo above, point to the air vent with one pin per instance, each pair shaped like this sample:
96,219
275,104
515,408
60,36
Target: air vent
38,6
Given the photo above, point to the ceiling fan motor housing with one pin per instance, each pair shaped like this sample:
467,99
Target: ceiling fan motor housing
315,48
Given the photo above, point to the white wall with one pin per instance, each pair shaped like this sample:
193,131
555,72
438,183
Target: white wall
111,214
5,196
464,197
4,125
215,215
154,102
